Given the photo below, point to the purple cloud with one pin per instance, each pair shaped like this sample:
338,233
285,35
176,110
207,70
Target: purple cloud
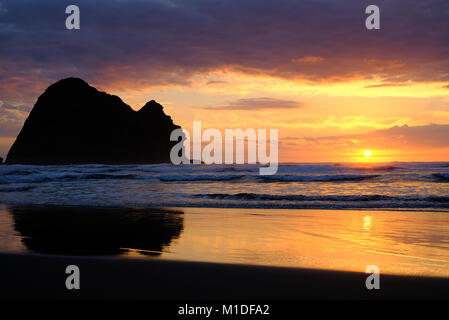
166,42
257,104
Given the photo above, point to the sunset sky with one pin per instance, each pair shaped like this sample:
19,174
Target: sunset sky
309,68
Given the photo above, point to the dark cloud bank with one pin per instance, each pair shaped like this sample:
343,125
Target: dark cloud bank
165,42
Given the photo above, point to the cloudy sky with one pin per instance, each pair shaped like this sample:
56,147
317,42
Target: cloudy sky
307,67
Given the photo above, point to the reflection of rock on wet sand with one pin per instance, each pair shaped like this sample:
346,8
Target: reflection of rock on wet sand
93,231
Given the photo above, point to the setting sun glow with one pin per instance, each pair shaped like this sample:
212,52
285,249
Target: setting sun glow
367,153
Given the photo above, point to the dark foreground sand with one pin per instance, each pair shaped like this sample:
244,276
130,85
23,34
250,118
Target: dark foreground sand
27,276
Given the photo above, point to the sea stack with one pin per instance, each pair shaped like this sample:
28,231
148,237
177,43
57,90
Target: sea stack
74,123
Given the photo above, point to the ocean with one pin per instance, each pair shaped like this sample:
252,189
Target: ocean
392,215
295,186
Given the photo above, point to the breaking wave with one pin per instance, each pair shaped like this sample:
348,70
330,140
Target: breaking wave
298,197
322,178
440,177
343,186
204,177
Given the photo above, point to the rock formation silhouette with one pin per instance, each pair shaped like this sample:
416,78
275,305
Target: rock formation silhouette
74,123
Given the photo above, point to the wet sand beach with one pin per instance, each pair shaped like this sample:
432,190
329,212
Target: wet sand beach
208,253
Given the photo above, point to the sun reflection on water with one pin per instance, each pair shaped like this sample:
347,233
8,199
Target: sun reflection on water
367,223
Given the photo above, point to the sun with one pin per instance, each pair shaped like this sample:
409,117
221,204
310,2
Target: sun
367,153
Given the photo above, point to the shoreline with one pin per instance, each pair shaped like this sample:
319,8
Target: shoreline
36,276
196,206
